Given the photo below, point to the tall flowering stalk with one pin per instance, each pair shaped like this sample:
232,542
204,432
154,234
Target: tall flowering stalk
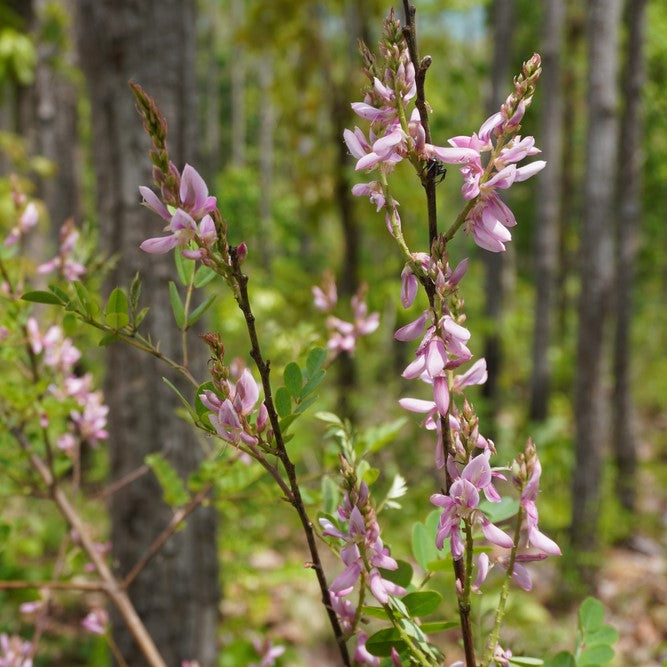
489,162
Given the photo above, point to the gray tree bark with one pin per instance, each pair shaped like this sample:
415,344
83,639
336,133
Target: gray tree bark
151,42
548,205
496,263
628,221
238,66
596,271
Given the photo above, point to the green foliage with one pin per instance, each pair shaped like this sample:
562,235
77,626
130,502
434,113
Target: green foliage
173,489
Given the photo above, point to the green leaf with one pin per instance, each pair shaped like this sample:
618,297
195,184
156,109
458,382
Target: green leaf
185,267
525,661
176,304
505,509
313,383
401,576
374,612
370,475
304,405
140,316
285,423
108,339
62,295
605,635
375,438
330,495
84,298
438,626
173,489
200,408
595,655
283,402
203,276
423,545
383,641
329,418
293,379
591,615
186,405
135,290
201,309
116,310
562,659
40,296
316,358
421,603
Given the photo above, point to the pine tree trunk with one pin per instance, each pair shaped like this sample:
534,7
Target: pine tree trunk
596,271
548,205
151,42
496,264
628,221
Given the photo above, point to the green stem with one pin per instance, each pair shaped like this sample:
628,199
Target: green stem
186,313
415,651
504,593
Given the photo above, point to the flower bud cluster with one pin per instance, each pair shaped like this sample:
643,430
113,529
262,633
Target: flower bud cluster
64,262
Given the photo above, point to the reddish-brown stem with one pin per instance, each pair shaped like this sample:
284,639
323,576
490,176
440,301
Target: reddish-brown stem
263,366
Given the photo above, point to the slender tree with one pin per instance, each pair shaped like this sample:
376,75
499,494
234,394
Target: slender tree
151,42
627,235
596,270
548,204
496,263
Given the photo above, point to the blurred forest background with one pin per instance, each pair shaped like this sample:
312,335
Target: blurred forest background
572,319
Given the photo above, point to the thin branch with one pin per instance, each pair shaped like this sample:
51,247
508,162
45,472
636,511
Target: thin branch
118,596
92,586
263,366
121,483
179,517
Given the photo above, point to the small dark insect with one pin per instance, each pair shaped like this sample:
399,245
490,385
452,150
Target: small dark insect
436,169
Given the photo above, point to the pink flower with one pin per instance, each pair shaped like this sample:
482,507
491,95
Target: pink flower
96,622
267,652
15,651
361,654
27,220
183,229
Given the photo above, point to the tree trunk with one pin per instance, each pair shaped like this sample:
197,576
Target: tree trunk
496,263
238,65
151,42
267,123
548,205
628,220
596,271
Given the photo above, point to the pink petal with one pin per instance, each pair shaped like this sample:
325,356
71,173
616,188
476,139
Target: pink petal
159,245
416,405
524,173
412,330
152,201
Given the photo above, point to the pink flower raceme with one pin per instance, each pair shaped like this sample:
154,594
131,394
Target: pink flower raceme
190,221
363,547
15,651
230,418
343,335
490,218
462,502
27,220
63,262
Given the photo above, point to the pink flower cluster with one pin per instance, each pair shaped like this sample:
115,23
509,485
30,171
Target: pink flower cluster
88,422
232,411
15,651
343,335
27,220
362,555
63,262
191,221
